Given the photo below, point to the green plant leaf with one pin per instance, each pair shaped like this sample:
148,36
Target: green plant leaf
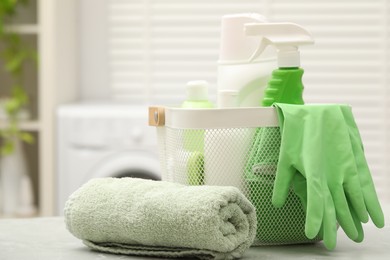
15,53
19,94
26,137
14,65
7,148
11,106
18,99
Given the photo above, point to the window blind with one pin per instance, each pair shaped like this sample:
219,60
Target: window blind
156,46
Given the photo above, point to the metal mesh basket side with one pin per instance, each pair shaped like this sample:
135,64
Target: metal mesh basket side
242,157
163,158
283,225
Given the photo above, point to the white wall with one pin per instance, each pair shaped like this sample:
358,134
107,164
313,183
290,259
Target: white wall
93,51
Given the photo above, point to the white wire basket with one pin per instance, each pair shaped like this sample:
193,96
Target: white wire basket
230,147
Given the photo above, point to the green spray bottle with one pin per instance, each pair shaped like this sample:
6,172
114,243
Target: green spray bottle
285,86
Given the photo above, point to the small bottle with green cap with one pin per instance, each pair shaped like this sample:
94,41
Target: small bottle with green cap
197,95
193,139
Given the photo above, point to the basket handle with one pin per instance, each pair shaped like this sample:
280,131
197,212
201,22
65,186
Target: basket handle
156,116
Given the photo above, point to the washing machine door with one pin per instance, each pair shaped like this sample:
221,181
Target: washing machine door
127,164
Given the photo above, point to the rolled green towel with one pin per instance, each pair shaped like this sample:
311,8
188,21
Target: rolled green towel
155,218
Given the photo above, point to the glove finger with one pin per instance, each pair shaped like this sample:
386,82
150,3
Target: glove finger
343,213
374,208
354,192
368,188
315,206
321,232
329,224
283,180
285,172
358,226
300,189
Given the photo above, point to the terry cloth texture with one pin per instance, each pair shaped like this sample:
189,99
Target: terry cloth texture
155,218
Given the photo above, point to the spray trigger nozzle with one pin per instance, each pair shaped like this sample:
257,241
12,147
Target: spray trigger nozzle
263,44
286,37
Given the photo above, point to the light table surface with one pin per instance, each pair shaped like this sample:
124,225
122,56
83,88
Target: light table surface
48,239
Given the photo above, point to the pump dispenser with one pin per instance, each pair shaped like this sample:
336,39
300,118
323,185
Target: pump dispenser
285,85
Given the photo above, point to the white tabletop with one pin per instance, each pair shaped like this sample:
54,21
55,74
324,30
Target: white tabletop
47,238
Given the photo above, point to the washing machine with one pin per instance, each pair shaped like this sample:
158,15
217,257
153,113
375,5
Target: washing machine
103,140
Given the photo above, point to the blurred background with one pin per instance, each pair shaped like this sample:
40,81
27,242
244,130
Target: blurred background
77,77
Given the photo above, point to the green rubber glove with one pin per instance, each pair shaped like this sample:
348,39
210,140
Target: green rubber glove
317,157
326,216
366,182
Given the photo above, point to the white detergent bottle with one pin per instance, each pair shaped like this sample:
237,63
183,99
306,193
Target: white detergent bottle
235,71
224,160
